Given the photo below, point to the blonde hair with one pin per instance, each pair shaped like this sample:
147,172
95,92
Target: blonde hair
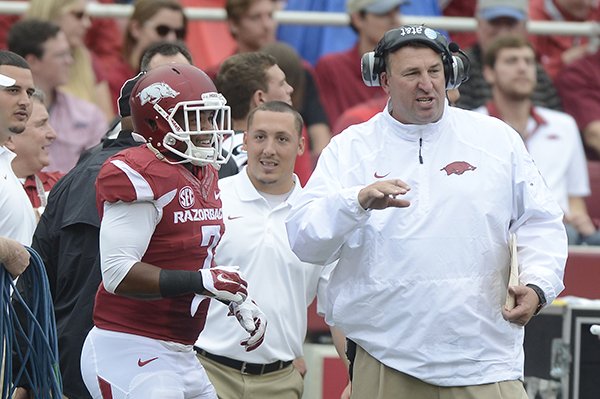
82,79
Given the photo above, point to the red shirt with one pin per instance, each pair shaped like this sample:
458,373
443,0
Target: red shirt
579,87
359,113
340,80
48,180
551,47
184,239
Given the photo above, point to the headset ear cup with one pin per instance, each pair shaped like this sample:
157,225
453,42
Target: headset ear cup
458,73
369,70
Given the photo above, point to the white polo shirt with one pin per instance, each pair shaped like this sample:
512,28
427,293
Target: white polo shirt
255,239
17,218
554,142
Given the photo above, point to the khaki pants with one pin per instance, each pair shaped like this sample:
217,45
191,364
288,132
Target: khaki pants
373,380
229,383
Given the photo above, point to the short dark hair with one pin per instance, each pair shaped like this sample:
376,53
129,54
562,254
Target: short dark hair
505,41
240,76
279,106
28,36
13,59
164,48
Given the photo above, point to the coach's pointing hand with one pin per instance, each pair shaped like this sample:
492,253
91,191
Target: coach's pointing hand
382,194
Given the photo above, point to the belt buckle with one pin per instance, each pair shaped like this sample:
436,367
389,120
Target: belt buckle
243,369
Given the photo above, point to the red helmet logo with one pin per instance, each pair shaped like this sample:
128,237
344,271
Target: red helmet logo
155,92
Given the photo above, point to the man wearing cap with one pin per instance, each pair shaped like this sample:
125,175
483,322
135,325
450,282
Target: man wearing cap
17,218
418,205
16,224
338,74
497,18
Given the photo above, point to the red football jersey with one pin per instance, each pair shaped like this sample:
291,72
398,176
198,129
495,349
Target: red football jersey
184,239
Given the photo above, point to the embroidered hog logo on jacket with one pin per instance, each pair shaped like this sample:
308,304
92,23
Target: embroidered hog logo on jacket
458,168
155,92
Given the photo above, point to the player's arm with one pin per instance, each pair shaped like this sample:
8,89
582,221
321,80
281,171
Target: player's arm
125,233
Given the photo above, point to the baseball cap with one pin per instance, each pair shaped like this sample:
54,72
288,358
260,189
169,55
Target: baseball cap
6,81
373,6
491,9
123,101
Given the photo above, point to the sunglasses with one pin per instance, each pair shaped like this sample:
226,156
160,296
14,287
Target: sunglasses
164,30
78,14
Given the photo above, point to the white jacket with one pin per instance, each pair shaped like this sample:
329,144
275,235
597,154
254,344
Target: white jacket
421,288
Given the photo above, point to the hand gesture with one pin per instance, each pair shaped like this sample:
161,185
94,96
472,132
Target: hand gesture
252,319
382,194
225,283
13,256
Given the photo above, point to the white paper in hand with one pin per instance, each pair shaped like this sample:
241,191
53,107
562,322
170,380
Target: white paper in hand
513,278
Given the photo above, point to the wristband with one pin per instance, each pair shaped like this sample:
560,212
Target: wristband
541,297
173,283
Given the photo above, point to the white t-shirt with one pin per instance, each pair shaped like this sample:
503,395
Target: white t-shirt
281,285
17,217
554,142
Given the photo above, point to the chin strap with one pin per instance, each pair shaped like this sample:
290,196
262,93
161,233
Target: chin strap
157,153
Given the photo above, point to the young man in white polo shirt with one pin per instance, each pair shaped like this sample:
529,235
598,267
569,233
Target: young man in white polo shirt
255,204
552,137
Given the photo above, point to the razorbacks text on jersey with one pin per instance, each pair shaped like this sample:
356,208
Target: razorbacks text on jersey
189,228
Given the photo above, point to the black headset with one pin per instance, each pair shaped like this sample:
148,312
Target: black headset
456,67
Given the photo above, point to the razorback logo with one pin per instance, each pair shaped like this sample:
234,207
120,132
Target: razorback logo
458,168
155,92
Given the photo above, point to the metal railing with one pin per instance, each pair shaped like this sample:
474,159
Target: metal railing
313,18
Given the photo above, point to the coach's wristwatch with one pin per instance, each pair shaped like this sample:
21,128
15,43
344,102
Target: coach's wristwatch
541,297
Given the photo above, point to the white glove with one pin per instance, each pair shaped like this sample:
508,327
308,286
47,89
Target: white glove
225,283
252,319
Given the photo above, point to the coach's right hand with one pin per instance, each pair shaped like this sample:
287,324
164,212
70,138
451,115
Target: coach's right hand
382,194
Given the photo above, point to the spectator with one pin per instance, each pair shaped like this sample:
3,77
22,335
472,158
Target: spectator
313,42
418,176
151,21
31,148
67,240
496,18
551,137
579,87
460,8
79,124
170,259
248,80
17,219
339,74
255,204
84,81
556,51
251,25
306,97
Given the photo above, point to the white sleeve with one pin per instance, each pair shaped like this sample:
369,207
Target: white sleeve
325,214
125,233
537,222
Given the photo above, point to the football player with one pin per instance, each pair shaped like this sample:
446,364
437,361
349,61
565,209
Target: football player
161,220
